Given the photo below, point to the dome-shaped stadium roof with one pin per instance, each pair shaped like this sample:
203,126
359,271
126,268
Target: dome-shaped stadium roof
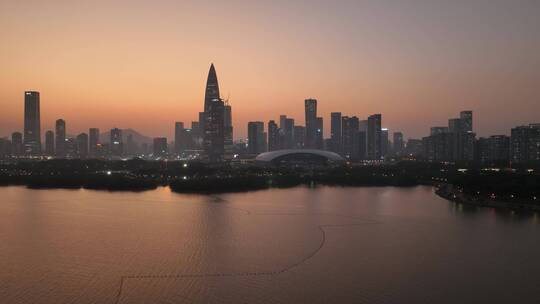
273,155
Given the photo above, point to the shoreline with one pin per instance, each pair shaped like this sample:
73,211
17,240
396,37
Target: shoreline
448,192
445,191
202,191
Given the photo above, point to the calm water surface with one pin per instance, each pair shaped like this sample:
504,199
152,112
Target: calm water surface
300,245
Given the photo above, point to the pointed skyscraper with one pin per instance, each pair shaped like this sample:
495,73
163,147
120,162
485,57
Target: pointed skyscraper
213,122
212,88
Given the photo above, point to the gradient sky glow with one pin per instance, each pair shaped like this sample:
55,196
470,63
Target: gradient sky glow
143,64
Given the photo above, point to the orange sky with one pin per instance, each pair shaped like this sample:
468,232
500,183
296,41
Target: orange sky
143,64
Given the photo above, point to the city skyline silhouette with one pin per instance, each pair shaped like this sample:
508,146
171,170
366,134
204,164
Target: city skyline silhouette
110,65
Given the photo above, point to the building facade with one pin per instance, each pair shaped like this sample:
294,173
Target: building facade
60,142
32,123
310,108
374,148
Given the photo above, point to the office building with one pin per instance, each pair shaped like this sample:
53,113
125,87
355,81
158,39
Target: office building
60,142
438,130
319,133
214,112
398,143
130,147
179,142
466,121
299,137
5,148
274,142
32,124
385,142
359,146
49,143
310,107
350,128
256,137
93,142
499,148
463,140
228,144
335,132
116,144
160,147
196,135
286,126
413,147
525,144
17,148
82,145
374,137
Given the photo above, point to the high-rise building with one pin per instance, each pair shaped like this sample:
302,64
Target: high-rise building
5,148
519,144
385,142
93,142
462,141
289,134
185,140
455,125
398,142
299,137
32,129
195,126
466,121
130,147
256,137
335,132
17,144
319,133
160,147
214,133
359,145
274,142
481,150
202,121
282,119
70,147
228,132
49,143
363,127
498,148
60,145
438,130
438,147
178,137
82,145
374,137
116,145
212,88
310,106
453,143
196,135
349,130
286,126
413,147
534,142
525,143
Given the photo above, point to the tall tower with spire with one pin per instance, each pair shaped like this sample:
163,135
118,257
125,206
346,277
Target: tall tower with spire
214,120
212,88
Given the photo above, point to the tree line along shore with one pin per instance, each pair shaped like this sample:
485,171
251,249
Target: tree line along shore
499,187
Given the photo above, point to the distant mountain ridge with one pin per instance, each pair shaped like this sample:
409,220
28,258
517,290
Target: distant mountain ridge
138,138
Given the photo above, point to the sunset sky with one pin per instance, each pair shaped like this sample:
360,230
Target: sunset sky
143,64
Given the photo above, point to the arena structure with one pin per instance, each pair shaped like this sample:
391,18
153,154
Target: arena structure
300,157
